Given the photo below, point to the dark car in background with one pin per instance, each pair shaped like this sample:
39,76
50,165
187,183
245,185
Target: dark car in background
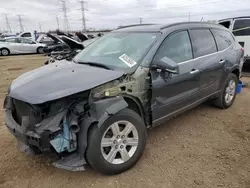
97,108
58,45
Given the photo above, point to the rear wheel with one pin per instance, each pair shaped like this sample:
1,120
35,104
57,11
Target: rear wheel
118,144
228,94
4,51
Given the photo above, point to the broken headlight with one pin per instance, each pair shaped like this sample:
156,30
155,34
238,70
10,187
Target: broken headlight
111,92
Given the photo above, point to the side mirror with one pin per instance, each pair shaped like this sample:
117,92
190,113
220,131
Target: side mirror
168,65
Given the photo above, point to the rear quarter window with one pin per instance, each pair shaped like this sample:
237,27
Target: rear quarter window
223,38
203,42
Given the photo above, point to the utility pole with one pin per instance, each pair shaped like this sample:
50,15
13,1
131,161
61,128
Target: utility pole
20,22
7,22
83,15
57,21
65,16
140,20
189,17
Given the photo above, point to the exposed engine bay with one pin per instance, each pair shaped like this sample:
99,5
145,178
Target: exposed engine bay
49,124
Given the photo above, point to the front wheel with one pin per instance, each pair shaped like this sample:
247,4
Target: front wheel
4,52
118,144
40,50
228,94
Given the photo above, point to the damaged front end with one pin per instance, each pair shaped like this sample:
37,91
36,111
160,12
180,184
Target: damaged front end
49,128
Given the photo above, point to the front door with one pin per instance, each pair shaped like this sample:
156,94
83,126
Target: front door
28,46
173,92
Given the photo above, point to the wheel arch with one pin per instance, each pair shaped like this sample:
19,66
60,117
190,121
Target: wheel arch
236,71
100,111
135,105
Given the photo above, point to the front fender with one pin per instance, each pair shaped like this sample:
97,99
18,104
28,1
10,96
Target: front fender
99,112
104,108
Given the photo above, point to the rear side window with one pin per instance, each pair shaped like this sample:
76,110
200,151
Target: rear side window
177,47
13,40
223,38
203,42
241,27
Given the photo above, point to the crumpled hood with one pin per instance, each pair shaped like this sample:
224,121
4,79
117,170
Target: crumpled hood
59,80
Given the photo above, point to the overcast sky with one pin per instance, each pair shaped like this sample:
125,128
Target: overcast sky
111,13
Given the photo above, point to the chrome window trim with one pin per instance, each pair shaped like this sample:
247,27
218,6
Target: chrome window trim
184,62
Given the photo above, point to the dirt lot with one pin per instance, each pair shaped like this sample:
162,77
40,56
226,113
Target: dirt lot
205,147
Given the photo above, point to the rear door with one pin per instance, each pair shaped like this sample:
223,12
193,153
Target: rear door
173,92
229,50
14,45
210,63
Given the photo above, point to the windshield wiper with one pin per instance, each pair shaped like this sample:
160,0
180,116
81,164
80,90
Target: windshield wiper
96,65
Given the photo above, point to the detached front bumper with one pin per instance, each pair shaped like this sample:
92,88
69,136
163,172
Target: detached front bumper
29,138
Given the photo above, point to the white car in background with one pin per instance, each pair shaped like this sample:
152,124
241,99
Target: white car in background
27,35
19,45
240,27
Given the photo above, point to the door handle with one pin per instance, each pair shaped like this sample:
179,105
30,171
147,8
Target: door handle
222,61
194,71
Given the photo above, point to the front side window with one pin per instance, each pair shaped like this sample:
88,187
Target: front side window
203,42
241,27
223,38
118,50
176,47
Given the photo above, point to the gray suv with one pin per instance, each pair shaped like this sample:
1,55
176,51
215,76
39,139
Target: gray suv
97,108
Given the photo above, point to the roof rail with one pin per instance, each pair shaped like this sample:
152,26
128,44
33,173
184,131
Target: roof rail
179,23
121,27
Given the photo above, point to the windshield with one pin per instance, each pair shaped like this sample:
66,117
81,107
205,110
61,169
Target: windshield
118,50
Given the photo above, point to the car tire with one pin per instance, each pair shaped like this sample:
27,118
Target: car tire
228,94
40,50
100,157
5,52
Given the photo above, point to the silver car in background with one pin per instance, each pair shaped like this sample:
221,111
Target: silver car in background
19,45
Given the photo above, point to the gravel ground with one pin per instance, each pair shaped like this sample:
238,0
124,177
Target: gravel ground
205,147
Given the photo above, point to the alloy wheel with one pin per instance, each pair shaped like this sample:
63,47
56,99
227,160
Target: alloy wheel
119,142
230,91
5,52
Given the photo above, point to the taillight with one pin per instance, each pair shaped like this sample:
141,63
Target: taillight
242,50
